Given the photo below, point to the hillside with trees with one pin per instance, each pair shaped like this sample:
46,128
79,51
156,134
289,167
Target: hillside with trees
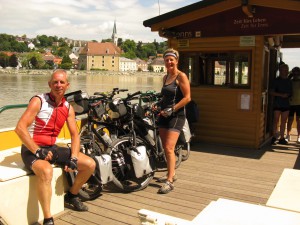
31,58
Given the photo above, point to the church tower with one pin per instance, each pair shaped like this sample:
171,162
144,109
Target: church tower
114,34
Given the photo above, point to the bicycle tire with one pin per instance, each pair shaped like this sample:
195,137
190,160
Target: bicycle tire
186,150
90,190
124,176
93,187
178,155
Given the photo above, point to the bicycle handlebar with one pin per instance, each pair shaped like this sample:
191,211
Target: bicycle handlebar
131,96
110,94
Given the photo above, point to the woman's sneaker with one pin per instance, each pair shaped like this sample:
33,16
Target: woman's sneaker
274,139
166,188
282,141
165,177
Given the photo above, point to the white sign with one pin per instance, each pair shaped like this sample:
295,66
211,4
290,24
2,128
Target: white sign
245,101
247,41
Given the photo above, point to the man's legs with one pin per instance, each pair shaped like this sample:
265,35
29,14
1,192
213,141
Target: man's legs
86,167
44,173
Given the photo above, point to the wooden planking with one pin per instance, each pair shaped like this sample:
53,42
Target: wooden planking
210,173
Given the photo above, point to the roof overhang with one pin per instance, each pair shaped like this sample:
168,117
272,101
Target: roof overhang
219,18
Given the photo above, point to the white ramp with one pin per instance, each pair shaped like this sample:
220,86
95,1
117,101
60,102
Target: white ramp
229,212
286,194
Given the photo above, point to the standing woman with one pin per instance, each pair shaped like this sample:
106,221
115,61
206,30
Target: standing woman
175,95
282,91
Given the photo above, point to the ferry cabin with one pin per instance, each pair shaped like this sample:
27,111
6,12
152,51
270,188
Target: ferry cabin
230,49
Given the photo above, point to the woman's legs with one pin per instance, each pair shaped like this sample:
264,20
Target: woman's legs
275,123
284,116
169,139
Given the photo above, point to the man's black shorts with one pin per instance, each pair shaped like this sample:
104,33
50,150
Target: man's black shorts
64,153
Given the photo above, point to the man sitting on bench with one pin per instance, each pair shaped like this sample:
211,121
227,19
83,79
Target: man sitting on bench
38,129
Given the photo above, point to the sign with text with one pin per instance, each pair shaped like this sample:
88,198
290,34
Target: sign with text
233,22
247,41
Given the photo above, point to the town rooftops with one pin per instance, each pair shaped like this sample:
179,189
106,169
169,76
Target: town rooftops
95,48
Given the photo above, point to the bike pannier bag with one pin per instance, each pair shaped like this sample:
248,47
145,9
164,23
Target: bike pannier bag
116,109
192,112
98,109
104,164
185,133
140,161
79,101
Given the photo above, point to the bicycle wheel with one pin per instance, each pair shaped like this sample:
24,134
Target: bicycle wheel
186,150
178,155
123,170
93,187
90,190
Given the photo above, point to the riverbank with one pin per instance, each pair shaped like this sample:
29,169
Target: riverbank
79,72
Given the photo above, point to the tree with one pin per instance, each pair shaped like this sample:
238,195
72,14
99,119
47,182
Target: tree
3,60
106,40
150,68
66,63
37,62
120,42
128,45
129,48
13,61
33,62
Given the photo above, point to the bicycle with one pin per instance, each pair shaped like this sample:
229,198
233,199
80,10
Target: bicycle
141,154
93,136
185,137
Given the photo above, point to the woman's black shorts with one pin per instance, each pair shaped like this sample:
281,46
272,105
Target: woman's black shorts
174,123
63,154
294,109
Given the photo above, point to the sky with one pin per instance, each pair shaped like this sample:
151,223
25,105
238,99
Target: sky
85,19
94,19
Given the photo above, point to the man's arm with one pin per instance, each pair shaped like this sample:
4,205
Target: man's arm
25,121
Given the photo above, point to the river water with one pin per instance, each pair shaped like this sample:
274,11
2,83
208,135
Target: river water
19,88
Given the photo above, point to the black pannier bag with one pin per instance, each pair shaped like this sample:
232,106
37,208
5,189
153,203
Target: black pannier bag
98,109
79,101
192,112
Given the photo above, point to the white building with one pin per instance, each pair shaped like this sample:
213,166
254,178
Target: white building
31,45
127,64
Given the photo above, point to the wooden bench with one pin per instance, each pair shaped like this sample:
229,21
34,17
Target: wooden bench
19,203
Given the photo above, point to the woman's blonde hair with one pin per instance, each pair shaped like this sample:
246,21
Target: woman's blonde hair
171,52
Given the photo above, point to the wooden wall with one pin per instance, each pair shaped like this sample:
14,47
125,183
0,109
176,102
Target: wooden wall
221,119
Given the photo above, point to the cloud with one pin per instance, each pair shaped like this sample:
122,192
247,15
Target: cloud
59,22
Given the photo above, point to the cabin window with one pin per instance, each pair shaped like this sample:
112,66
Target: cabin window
223,69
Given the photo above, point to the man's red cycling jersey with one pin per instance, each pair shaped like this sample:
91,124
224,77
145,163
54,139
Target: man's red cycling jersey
49,121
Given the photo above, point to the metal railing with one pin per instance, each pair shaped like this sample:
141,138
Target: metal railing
6,107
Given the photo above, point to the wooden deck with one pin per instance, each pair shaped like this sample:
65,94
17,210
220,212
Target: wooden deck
210,173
